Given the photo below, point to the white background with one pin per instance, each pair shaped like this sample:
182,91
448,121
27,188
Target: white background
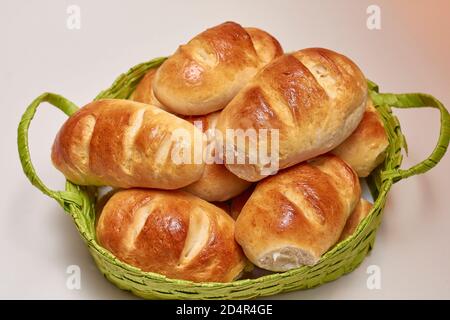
38,53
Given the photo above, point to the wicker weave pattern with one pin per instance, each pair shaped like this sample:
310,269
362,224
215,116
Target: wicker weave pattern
79,202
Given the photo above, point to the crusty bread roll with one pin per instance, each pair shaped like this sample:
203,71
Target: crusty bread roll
217,183
124,144
172,233
366,147
314,97
266,46
294,217
144,92
361,211
205,74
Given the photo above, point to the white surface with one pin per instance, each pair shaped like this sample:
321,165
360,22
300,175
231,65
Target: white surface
410,53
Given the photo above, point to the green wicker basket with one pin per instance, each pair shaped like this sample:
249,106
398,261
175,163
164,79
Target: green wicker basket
80,201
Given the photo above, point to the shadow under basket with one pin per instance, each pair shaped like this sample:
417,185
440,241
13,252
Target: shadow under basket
79,202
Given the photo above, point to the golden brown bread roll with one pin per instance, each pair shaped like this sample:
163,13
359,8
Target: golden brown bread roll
314,97
203,75
144,92
294,217
172,233
123,143
266,46
361,211
366,147
217,183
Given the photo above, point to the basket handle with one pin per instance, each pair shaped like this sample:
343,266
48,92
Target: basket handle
68,108
417,100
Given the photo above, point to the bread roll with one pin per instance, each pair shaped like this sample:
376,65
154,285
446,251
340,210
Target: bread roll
294,217
144,92
315,98
366,147
205,74
361,211
126,144
266,46
216,183
172,233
